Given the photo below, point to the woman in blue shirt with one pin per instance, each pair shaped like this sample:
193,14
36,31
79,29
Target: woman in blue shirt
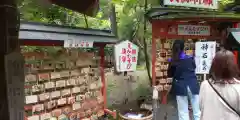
185,85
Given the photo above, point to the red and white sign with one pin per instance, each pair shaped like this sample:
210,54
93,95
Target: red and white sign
209,4
78,44
126,55
194,30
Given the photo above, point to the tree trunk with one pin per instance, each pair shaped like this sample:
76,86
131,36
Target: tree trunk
9,29
113,19
86,21
146,46
237,2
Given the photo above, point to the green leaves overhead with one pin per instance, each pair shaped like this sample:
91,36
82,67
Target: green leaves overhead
32,10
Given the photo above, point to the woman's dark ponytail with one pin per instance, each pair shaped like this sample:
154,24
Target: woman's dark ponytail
177,49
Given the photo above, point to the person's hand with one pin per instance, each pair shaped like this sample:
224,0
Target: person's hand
167,88
169,59
159,88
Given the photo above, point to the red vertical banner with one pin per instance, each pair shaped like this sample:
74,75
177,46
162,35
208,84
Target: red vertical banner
235,56
236,25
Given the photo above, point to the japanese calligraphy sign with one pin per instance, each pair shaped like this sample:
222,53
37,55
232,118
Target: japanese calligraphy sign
14,65
204,54
78,44
126,55
193,30
210,4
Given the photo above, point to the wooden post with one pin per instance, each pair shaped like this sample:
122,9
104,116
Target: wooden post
102,61
9,29
153,60
104,88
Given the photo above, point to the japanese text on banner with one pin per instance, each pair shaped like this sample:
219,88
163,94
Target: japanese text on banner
78,44
205,52
209,4
126,54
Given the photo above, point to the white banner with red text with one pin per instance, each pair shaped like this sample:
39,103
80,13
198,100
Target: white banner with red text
126,56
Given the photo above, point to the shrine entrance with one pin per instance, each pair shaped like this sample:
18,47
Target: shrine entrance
169,24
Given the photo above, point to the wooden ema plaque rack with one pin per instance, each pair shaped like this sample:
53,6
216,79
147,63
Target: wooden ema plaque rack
52,82
63,87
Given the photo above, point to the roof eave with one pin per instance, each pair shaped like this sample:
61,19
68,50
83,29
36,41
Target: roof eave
44,32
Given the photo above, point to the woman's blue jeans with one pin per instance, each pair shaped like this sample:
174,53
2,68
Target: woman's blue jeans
182,105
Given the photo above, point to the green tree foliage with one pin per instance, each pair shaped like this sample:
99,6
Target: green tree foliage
31,10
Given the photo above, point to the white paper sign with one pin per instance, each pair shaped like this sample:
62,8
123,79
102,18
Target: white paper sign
209,4
204,54
78,44
14,65
194,30
126,55
155,93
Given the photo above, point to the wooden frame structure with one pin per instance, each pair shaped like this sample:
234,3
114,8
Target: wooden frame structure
39,34
165,20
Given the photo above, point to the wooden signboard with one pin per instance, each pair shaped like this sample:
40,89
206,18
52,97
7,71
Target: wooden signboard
126,55
182,30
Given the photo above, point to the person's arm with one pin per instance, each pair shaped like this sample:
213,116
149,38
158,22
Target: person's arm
200,100
171,70
238,98
193,62
201,95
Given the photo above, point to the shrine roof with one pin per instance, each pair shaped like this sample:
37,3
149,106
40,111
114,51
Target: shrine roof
164,13
46,32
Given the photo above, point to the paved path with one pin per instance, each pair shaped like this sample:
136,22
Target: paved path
168,111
